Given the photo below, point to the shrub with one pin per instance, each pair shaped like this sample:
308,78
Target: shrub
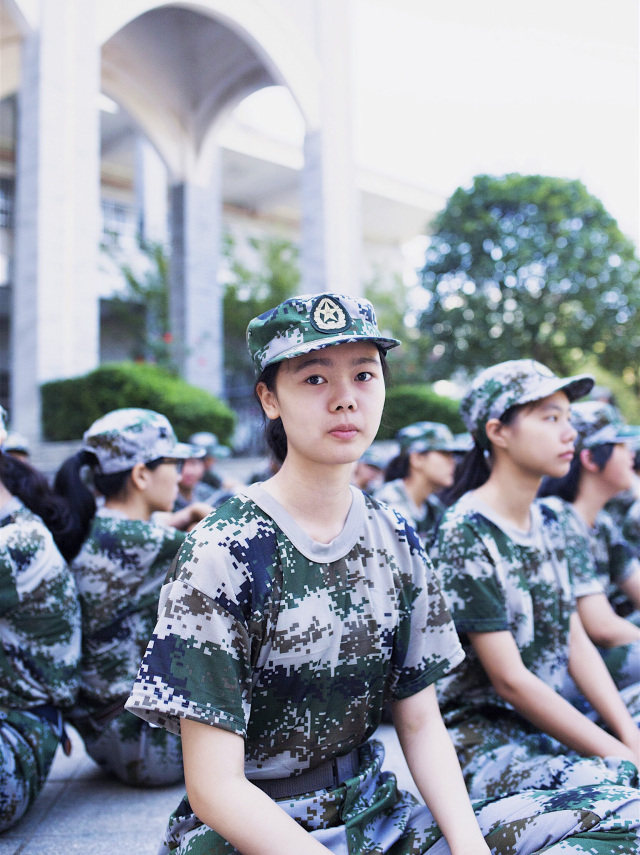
408,404
70,406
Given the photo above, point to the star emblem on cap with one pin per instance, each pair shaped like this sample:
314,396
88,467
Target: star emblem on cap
329,316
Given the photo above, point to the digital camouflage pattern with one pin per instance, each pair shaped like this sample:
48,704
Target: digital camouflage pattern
429,436
309,322
631,527
39,661
496,578
599,423
508,384
424,519
292,644
590,575
128,436
230,617
119,573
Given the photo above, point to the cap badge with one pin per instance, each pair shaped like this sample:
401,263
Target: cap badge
329,316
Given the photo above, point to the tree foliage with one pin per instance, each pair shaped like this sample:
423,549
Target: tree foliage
147,284
260,274
530,266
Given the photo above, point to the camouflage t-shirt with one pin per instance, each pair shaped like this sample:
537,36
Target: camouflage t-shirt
290,643
497,578
424,518
631,528
39,615
119,573
585,576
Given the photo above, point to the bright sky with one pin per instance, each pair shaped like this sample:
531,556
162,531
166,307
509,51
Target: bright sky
447,90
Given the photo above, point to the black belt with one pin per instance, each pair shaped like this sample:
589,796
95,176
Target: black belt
328,775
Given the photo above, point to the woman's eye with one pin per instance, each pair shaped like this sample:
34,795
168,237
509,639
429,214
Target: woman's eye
364,375
314,380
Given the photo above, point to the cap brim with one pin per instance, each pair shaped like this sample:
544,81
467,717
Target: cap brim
184,451
573,387
328,341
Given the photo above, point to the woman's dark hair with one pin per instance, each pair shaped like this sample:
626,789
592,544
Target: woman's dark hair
567,486
35,492
397,467
473,470
70,484
274,429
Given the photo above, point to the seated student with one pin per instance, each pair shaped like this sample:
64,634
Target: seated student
134,460
425,465
502,561
289,616
39,632
601,468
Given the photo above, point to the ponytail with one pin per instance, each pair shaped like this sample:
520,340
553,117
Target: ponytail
472,473
398,467
34,491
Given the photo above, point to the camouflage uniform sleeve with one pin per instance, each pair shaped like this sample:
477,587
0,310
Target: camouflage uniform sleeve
623,563
40,618
198,663
578,547
426,645
631,528
467,569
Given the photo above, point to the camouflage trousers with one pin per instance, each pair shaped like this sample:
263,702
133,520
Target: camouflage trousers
28,745
132,750
501,753
368,814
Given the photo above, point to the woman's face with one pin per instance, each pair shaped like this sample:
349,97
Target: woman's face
617,472
541,437
330,402
162,489
437,467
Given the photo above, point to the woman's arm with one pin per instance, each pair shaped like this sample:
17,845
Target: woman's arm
434,766
226,801
186,517
539,703
596,684
603,626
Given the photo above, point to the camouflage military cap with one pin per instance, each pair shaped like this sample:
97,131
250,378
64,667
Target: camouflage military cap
428,436
125,437
309,322
209,441
598,423
508,384
16,442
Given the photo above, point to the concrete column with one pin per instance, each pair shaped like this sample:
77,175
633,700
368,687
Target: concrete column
55,308
151,192
196,297
331,227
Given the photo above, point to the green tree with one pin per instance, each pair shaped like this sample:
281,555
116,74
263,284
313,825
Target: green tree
530,266
149,287
261,274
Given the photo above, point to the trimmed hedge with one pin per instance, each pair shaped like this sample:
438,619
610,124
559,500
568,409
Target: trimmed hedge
408,404
70,406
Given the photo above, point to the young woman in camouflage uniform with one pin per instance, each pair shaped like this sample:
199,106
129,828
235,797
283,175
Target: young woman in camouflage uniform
134,459
292,612
424,466
504,562
601,468
39,630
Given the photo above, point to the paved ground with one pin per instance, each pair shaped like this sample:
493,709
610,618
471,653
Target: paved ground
83,811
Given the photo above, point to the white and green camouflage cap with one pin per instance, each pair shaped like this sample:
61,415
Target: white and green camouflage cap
309,322
128,436
599,423
509,384
429,436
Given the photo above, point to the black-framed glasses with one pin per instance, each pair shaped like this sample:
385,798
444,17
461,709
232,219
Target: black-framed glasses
179,464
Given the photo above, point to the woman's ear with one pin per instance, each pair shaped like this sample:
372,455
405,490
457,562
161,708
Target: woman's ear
268,400
494,429
587,462
140,476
